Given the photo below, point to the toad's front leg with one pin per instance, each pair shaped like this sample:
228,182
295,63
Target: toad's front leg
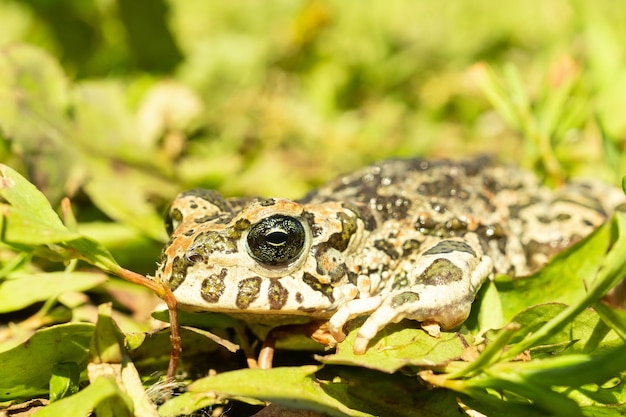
441,286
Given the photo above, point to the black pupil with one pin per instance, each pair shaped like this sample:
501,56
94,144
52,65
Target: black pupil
276,240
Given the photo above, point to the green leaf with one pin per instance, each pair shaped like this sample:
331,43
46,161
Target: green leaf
20,291
543,399
130,206
104,123
613,270
601,400
536,380
64,380
31,222
294,387
398,346
109,359
613,317
107,344
359,391
84,402
27,368
401,395
567,370
94,253
38,88
35,100
186,404
583,334
488,309
21,228
565,279
490,354
26,198
15,264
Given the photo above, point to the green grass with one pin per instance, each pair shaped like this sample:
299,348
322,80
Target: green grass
120,106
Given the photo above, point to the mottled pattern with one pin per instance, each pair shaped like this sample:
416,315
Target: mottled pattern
213,287
399,239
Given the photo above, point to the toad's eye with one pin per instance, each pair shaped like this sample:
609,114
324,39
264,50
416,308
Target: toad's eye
276,240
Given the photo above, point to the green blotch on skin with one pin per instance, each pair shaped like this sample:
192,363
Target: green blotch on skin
341,240
441,272
447,246
277,295
403,298
213,287
179,272
248,291
212,241
325,289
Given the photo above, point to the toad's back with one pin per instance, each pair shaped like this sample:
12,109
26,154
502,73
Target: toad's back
518,221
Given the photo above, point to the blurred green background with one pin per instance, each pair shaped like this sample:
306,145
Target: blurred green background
120,104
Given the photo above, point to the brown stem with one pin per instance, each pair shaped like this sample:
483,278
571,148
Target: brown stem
175,340
266,355
166,294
